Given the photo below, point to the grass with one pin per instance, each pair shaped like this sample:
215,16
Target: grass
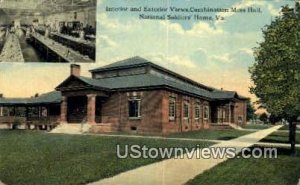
280,137
29,157
258,126
211,134
281,171
286,127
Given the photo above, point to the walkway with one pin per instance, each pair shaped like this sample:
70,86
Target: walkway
179,171
155,137
276,144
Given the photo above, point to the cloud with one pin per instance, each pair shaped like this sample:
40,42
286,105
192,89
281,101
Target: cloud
199,29
204,29
265,5
200,55
174,60
246,50
106,42
273,11
236,58
225,58
240,5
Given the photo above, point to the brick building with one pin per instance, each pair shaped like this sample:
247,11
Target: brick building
138,95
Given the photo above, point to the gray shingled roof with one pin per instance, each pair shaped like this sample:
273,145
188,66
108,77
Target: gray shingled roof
51,97
217,94
149,80
134,61
13,101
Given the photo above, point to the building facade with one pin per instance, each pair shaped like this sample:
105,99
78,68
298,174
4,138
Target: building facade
135,95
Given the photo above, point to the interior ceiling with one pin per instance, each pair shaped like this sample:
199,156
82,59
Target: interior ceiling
42,7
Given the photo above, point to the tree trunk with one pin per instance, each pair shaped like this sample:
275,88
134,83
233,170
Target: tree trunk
292,136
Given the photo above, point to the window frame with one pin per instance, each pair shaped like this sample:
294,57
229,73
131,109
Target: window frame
197,107
186,105
206,112
139,107
172,115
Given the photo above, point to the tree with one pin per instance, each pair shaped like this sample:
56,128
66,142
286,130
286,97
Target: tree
274,119
276,71
264,118
250,111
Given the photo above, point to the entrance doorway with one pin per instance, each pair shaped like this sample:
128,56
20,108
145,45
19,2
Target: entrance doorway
77,109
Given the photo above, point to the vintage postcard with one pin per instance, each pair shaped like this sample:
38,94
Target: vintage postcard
140,92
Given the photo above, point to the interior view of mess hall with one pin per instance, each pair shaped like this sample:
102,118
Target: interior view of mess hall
48,30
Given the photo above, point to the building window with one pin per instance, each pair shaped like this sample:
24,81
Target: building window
172,108
224,115
240,119
206,112
134,108
186,111
197,112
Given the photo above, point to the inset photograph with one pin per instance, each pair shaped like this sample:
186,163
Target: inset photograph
59,31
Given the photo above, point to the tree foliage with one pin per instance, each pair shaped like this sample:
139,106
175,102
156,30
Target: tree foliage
276,72
250,111
264,118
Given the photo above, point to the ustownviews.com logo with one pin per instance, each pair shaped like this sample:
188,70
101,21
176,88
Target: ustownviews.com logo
137,151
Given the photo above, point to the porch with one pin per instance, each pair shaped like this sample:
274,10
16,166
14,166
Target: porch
222,115
39,117
82,108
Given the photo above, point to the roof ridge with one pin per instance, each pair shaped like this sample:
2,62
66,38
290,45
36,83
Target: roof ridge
132,61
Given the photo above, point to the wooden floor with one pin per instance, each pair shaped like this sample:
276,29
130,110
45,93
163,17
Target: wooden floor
29,52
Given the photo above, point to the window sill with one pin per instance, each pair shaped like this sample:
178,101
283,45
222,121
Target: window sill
172,119
135,118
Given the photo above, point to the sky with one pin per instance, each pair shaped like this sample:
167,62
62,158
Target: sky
215,53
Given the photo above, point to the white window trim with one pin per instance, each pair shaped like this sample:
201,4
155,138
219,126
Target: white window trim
199,107
139,107
206,107
173,100
188,106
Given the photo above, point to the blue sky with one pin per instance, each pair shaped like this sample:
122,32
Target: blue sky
216,53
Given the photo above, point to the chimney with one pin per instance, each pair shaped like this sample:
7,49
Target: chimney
75,70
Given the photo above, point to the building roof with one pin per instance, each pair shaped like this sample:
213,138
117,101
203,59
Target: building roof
144,81
51,97
130,62
224,95
47,98
140,62
149,80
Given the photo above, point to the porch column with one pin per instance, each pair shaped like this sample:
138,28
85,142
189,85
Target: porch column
64,109
229,112
1,111
91,109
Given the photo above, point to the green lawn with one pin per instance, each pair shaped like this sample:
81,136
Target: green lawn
28,157
286,127
211,134
257,126
281,171
280,137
